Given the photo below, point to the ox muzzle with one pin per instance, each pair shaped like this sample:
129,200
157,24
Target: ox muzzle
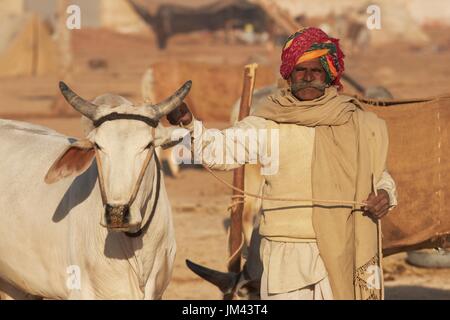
117,216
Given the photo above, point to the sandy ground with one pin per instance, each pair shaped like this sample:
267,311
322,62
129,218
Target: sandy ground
199,201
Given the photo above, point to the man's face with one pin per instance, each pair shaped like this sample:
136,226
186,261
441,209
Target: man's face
307,80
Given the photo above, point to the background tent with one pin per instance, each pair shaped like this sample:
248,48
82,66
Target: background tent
26,47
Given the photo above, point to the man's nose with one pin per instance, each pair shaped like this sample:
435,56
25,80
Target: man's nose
308,76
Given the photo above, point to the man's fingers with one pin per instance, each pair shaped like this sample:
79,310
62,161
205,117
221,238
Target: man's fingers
183,110
369,201
381,211
181,114
371,197
381,204
377,207
384,212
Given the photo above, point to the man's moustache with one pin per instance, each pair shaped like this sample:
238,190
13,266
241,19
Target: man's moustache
305,84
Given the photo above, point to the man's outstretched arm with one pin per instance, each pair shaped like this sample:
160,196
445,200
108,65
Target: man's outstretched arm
222,149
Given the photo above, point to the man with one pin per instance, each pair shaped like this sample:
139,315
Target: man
329,148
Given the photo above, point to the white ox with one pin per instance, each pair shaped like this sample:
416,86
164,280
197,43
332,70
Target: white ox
104,233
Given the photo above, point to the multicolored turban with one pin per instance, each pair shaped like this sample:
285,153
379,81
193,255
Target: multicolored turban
311,43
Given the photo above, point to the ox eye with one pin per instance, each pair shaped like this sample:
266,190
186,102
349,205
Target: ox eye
97,146
149,145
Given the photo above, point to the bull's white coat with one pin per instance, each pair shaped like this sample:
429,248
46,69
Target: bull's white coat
45,230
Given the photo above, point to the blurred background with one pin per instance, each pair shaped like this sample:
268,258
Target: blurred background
148,48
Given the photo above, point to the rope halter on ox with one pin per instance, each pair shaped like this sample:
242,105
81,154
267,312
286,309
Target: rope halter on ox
151,116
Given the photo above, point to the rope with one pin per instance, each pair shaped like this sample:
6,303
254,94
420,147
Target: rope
380,251
235,202
235,254
253,195
240,199
147,160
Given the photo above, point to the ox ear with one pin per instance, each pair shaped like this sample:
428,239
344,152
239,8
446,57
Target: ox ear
76,159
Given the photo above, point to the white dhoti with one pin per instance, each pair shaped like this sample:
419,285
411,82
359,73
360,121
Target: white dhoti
293,271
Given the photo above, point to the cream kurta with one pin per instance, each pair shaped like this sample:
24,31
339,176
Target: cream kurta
289,253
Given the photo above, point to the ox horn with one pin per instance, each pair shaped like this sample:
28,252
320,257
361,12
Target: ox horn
226,282
86,108
165,107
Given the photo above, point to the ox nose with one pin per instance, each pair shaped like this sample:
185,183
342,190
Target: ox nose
117,216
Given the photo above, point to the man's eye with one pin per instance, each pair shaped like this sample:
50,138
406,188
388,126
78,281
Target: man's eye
97,146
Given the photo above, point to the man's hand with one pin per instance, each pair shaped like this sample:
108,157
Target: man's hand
181,115
377,206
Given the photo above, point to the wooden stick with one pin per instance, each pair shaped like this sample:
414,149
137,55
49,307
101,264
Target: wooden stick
235,240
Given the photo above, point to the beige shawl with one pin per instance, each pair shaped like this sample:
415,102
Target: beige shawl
350,151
